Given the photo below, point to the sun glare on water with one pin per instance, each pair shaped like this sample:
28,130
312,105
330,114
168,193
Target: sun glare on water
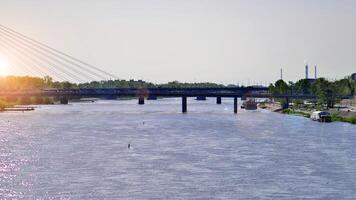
4,67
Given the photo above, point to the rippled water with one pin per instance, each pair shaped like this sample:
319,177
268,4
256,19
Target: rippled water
79,151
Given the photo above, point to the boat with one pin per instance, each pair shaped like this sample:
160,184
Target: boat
200,98
249,104
151,97
20,109
321,116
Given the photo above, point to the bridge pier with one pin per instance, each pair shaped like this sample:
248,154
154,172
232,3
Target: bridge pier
141,100
218,100
235,105
63,100
184,104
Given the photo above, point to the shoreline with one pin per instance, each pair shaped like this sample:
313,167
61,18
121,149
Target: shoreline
336,115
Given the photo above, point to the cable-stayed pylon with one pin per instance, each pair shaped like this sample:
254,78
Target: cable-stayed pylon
58,63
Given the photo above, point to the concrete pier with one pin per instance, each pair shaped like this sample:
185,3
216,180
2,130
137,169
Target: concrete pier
235,105
141,100
218,100
184,104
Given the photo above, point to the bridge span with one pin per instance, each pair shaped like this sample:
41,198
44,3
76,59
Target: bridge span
152,93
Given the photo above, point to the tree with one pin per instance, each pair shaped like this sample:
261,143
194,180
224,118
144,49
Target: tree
303,86
281,87
48,81
271,88
291,87
326,92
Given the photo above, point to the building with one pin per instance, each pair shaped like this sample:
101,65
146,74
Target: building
353,76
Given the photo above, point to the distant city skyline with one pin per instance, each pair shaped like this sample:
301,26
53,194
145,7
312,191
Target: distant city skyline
227,41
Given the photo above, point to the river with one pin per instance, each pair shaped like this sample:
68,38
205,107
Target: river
79,151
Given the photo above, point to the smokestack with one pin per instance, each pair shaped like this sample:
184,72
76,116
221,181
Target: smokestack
306,71
281,74
315,73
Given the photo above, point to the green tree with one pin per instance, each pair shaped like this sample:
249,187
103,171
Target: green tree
281,87
303,86
325,91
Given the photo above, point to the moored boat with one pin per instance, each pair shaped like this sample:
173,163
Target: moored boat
321,116
249,104
200,98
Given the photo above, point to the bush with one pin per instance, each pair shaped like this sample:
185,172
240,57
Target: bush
336,117
292,112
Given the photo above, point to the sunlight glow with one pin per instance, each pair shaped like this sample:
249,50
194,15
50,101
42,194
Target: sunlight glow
4,67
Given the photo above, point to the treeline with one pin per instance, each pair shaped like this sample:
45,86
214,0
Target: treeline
328,92
143,84
32,83
24,82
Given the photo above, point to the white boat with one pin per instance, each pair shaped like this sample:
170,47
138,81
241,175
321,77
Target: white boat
321,116
249,104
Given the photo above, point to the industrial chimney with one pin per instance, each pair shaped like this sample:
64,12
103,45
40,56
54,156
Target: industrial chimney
281,74
306,71
315,73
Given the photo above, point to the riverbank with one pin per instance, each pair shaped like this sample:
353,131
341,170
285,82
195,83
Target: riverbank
21,104
348,116
4,105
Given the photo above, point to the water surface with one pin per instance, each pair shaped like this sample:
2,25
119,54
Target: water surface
79,151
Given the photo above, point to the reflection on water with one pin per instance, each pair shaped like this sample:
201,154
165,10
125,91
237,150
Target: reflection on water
79,151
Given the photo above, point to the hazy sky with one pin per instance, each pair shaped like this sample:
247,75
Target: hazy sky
226,41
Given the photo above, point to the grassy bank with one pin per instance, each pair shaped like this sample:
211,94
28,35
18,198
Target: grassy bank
294,112
337,117
334,116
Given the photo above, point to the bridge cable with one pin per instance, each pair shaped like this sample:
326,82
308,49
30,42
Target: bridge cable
8,53
37,59
20,58
46,58
60,52
85,70
39,62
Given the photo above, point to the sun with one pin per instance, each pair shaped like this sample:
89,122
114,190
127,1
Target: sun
4,67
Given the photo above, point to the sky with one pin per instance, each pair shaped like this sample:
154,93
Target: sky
223,41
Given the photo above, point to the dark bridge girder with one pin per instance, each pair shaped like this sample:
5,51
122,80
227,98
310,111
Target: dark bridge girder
162,92
141,93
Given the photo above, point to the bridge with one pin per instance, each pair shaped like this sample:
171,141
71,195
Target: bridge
34,58
152,93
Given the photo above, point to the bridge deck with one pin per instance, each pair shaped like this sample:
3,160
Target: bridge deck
256,92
